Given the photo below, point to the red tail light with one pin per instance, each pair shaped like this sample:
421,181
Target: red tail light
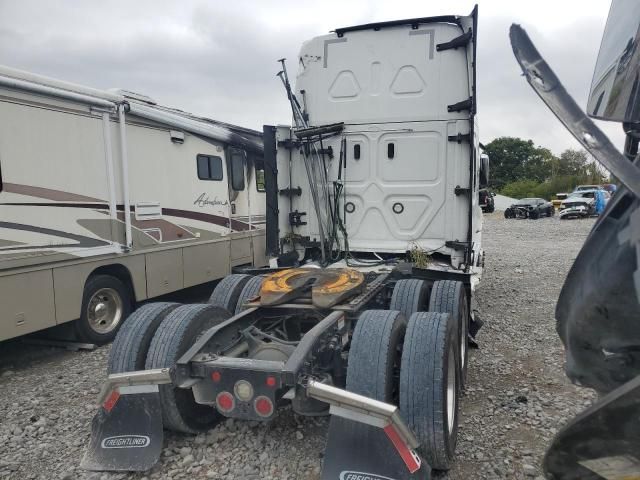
271,382
111,400
263,406
216,376
225,402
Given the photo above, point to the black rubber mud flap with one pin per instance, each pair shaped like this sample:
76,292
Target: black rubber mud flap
129,437
601,442
356,451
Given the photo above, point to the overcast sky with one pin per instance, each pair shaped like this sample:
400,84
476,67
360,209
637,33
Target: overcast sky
218,58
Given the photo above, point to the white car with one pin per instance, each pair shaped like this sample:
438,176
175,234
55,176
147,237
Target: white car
580,203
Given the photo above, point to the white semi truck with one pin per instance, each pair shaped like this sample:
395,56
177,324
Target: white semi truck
373,231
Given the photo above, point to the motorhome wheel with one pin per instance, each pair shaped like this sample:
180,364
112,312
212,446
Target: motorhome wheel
106,302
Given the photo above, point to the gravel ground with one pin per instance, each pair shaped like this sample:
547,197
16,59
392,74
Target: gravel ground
517,397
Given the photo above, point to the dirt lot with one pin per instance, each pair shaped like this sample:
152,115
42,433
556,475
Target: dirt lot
517,398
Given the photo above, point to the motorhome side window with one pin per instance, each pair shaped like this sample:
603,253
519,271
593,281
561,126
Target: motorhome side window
237,169
209,167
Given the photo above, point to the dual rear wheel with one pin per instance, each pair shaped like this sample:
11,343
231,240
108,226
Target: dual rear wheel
157,334
414,364
404,356
416,359
446,296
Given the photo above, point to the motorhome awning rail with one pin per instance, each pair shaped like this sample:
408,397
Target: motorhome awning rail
207,129
137,104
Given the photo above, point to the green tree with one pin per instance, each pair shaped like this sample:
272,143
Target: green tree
572,162
514,159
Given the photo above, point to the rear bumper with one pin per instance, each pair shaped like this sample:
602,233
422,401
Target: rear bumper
574,211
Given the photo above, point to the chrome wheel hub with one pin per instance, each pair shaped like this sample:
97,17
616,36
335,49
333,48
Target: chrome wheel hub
452,379
463,342
104,310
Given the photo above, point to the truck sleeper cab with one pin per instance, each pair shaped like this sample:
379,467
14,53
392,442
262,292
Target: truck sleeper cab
326,327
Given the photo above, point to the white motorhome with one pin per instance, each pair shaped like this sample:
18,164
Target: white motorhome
108,199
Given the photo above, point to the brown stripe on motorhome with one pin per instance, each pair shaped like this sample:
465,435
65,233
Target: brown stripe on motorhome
173,212
9,243
83,242
48,193
94,206
169,231
206,217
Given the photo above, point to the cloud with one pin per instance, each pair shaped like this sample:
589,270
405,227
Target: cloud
509,106
220,58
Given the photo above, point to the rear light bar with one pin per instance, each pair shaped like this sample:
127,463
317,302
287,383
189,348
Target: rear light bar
263,406
243,390
225,402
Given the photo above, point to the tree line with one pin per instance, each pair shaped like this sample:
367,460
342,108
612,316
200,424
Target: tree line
521,169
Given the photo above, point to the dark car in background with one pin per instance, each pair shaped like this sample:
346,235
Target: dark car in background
532,208
487,203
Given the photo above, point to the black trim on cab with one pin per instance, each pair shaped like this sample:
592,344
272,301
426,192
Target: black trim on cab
414,22
271,187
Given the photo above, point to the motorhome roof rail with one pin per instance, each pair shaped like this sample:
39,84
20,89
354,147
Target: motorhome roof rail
22,80
15,83
199,127
414,22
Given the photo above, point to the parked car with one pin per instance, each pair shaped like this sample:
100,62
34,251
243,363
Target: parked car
582,203
532,208
487,203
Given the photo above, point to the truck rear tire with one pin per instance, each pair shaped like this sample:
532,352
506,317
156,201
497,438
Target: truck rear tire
375,355
409,296
227,291
176,334
449,296
428,386
130,347
251,290
106,303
